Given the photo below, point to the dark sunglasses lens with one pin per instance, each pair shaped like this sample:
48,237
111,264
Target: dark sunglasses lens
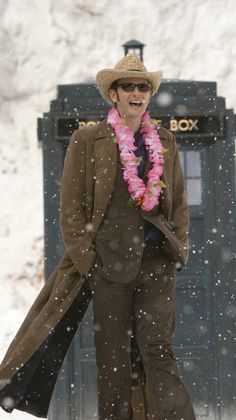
144,87
129,87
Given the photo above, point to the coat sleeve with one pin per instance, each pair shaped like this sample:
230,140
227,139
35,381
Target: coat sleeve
180,209
77,239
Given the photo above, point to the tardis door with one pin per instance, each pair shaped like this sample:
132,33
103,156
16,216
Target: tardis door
194,338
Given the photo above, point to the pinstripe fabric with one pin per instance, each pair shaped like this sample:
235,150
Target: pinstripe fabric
150,305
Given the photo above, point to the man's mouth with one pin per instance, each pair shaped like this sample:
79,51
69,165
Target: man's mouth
136,103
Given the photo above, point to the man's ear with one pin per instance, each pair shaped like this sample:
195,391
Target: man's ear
113,95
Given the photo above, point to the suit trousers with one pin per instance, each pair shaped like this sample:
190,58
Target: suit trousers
146,303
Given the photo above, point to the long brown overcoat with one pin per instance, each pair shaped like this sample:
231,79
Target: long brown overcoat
30,368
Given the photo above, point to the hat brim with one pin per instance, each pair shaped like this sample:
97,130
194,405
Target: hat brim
106,77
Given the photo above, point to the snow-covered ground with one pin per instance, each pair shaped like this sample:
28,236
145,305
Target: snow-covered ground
51,42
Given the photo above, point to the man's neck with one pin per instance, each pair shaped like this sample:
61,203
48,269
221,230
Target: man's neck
134,124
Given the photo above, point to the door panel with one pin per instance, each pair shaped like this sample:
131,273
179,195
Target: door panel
194,338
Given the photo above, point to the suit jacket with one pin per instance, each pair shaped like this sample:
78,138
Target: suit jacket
89,176
31,365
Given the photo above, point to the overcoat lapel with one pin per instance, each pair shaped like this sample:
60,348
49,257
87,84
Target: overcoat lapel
106,157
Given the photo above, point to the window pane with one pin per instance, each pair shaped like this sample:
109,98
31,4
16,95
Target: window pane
194,192
193,164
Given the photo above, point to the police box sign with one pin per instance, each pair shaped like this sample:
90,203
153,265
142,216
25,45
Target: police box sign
203,125
199,125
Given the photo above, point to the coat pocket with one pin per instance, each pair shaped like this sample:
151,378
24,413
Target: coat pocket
172,247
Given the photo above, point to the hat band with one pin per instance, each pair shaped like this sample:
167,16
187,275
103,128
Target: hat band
134,70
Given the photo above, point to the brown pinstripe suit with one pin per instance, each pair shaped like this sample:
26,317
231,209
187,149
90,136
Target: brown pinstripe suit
133,285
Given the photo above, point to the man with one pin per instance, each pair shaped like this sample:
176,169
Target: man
124,221
133,278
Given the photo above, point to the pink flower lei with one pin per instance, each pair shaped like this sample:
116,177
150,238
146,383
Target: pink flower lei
144,195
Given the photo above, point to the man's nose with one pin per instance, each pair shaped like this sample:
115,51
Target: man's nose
136,88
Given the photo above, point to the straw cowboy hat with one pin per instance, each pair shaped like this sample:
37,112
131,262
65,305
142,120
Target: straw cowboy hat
128,66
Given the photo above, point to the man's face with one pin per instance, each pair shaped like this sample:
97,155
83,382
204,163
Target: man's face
129,104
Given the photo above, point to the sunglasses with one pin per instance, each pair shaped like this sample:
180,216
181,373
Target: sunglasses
130,87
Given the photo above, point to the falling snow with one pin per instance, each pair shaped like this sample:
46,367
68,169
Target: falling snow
199,50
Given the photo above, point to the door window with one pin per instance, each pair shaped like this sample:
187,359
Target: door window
191,164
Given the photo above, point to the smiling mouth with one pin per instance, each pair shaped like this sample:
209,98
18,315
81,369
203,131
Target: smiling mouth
136,103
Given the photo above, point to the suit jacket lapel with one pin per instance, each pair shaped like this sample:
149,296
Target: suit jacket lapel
106,155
